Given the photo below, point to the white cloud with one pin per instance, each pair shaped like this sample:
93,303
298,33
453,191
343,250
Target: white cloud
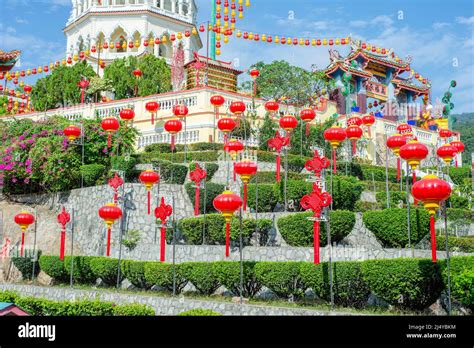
21,21
440,25
465,20
358,24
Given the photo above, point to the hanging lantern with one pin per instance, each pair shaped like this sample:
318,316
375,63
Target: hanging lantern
254,73
460,147
109,213
227,203
445,134
237,108
245,169
110,125
233,148
217,101
24,220
127,115
272,107
162,212
137,73
288,123
226,126
180,110
63,219
414,152
447,152
149,178
197,175
405,130
173,127
27,89
335,136
307,116
72,132
152,108
368,121
354,121
354,133
394,143
431,191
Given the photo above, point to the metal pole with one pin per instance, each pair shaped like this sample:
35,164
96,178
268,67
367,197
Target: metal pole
256,206
185,140
174,248
122,223
331,188
386,177
71,278
329,244
448,259
241,260
34,246
82,155
407,184
286,179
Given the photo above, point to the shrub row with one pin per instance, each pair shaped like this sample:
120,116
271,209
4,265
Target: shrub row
395,197
405,283
461,244
44,307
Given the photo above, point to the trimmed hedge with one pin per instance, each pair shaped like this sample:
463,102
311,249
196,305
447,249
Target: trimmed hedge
270,177
460,214
405,283
25,266
267,197
163,148
199,313
161,275
462,279
106,269
205,147
54,267
395,197
212,191
458,202
228,274
462,244
134,271
283,278
390,226
171,173
297,230
93,174
362,206
459,174
202,275
82,269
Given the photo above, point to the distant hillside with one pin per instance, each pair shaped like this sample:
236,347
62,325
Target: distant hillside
465,125
465,118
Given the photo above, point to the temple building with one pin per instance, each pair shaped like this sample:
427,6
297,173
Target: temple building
8,60
120,24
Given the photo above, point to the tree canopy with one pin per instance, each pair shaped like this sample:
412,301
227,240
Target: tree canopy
156,76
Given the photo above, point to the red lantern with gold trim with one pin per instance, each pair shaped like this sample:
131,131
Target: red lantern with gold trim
307,116
24,220
152,108
227,204
460,147
445,134
110,125
226,126
447,152
272,107
335,136
394,143
173,127
354,133
180,110
368,121
217,101
127,115
72,132
413,153
288,123
110,213
149,178
246,169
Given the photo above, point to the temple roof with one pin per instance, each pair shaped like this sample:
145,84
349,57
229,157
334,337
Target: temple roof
386,59
8,59
216,63
335,65
406,84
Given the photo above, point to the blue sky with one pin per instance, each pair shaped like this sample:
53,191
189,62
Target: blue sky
438,34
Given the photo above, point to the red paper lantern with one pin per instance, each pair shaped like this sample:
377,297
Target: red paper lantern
460,147
354,121
110,213
24,220
368,121
180,110
226,126
254,73
354,133
27,88
272,106
307,116
237,108
445,133
394,143
414,152
335,136
152,107
127,115
233,148
431,191
138,73
288,123
227,203
173,127
72,132
110,125
217,101
405,130
447,152
245,169
149,178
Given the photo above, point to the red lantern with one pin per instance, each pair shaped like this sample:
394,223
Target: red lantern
307,115
405,130
445,134
459,146
217,101
233,148
394,143
431,191
72,132
110,125
354,133
27,88
24,220
288,123
226,126
93,49
127,115
245,169
162,213
335,136
254,73
109,213
180,110
138,73
197,175
173,127
354,121
447,152
149,178
227,203
63,219
368,121
414,152
237,108
152,107
272,106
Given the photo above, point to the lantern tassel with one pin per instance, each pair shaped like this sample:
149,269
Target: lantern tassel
433,238
109,140
316,242
354,147
152,118
308,128
456,162
235,175
172,142
22,243
162,244
115,197
149,202
245,196
415,202
217,113
227,239
334,160
225,138
109,232
196,201
369,131
398,169
61,249
278,165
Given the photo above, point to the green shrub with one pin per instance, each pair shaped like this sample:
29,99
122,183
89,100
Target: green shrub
228,274
405,283
161,274
8,296
460,214
200,313
163,148
361,206
211,169
297,230
171,173
178,157
270,177
349,288
459,174
295,163
378,173
202,275
395,198
461,244
134,310
106,269
82,272
283,278
134,271
212,191
346,192
25,266
295,190
267,199
93,174
376,186
54,267
353,169
462,287
390,226
458,202
205,147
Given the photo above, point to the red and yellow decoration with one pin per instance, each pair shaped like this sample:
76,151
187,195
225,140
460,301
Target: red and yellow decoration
24,220
109,213
394,143
245,169
110,125
152,108
173,127
335,136
72,132
227,204
149,178
162,212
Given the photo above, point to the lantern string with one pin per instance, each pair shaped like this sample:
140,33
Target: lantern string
22,243
149,201
162,243
433,238
278,165
245,196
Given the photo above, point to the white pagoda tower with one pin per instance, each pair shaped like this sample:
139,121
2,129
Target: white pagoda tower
93,22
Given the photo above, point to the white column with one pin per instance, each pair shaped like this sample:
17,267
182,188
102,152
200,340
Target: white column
180,7
173,6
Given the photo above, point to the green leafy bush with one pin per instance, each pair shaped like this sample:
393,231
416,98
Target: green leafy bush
211,169
202,275
8,296
460,214
395,197
376,186
350,289
171,173
462,287
297,230
134,310
295,190
459,174
125,164
405,283
212,191
353,169
82,272
346,192
283,278
462,244
134,271
362,206
178,157
390,226
267,197
163,148
205,147
378,173
228,274
106,269
270,177
200,313
161,274
93,174
25,266
458,202
54,267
